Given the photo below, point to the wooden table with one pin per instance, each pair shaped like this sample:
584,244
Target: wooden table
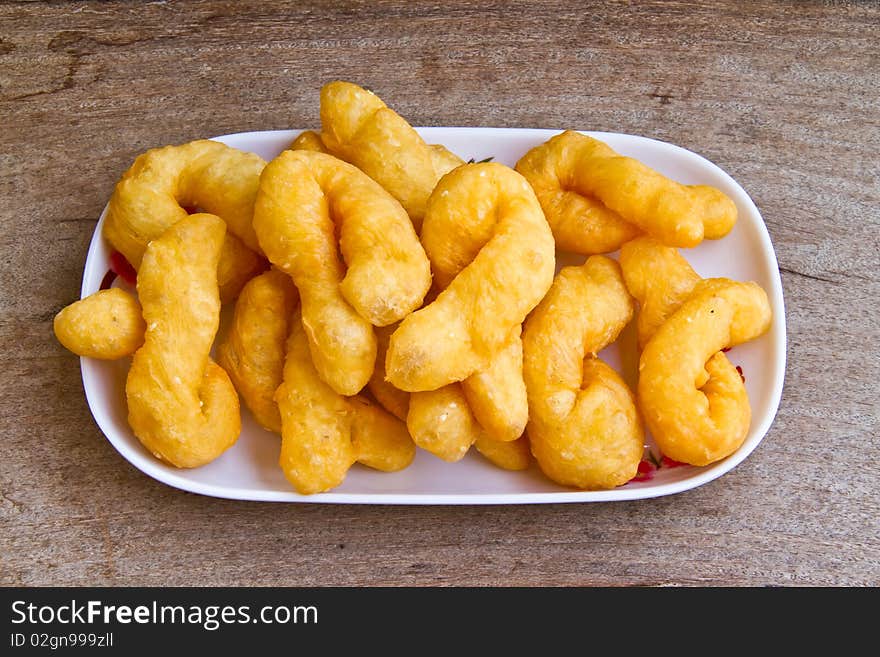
785,97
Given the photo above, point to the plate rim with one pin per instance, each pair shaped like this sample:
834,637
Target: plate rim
777,334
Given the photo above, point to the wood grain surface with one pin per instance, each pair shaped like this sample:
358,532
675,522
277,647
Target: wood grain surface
783,96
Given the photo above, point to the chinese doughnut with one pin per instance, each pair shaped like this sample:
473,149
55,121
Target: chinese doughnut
580,222
181,405
308,140
676,214
693,399
252,352
509,455
313,208
583,427
441,422
659,278
323,433
484,222
107,325
359,128
152,194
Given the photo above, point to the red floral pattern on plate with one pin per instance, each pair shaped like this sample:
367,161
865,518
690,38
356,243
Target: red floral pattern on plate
649,465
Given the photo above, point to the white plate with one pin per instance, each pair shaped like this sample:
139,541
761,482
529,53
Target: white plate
249,470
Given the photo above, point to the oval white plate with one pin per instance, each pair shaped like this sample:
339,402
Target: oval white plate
249,470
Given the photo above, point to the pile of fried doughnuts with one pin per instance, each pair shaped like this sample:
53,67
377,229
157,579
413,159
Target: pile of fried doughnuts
389,296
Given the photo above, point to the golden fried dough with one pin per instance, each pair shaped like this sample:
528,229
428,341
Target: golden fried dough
659,278
497,395
392,399
692,398
718,410
308,140
323,433
581,223
484,221
583,426
212,176
238,264
252,352
510,455
440,421
676,214
305,200
150,196
381,441
107,324
316,448
181,405
491,404
443,160
359,128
